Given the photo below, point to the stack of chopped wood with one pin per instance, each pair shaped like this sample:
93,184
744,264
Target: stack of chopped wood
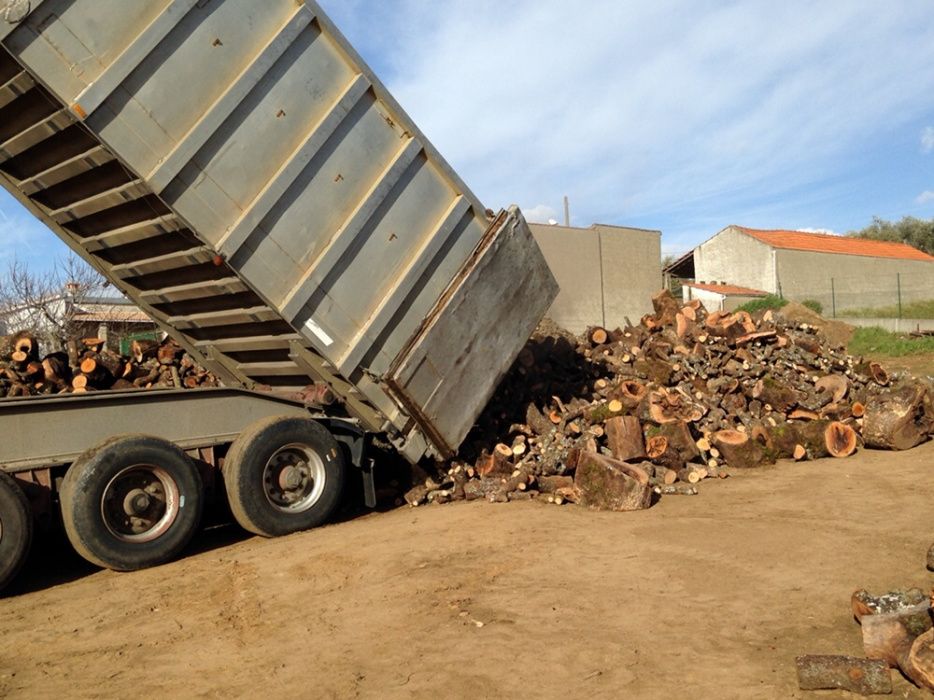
89,366
897,634
605,418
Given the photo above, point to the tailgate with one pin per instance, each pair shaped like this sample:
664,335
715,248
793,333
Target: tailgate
448,371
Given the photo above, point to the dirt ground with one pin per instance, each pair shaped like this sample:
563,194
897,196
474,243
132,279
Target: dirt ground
918,365
713,595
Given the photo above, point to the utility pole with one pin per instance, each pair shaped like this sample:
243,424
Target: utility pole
567,211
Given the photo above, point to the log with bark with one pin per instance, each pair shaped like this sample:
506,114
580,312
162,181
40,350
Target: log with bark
862,676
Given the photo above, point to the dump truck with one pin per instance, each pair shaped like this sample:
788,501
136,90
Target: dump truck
237,170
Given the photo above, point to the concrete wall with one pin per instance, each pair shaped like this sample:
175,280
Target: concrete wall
713,301
735,258
858,281
896,325
606,273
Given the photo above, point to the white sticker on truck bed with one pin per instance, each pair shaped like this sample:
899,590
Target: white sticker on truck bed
318,332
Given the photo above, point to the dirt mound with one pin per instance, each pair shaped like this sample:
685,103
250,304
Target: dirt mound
838,333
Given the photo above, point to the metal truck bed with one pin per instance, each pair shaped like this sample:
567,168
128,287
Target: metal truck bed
56,430
236,169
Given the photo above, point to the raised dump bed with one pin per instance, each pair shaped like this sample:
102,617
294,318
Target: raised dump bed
236,169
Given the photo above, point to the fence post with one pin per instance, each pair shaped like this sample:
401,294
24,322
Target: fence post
898,279
833,297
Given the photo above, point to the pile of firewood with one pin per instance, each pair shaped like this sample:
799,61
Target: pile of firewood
609,417
89,366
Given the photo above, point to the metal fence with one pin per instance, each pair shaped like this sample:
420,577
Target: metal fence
888,296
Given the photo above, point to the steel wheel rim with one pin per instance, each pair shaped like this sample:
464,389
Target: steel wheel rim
140,504
294,478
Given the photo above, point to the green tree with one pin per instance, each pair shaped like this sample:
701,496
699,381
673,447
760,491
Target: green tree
915,232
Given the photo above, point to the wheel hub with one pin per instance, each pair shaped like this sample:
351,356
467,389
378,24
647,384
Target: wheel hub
140,503
137,502
294,478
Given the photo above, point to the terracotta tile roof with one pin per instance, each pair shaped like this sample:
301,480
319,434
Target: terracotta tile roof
727,290
842,245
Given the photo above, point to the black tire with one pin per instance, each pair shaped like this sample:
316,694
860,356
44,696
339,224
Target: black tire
15,528
132,502
282,475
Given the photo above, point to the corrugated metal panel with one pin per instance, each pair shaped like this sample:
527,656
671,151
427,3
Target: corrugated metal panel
239,172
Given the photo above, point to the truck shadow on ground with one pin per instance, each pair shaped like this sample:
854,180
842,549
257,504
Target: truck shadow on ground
53,562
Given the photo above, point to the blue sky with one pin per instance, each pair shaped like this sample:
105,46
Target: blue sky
683,116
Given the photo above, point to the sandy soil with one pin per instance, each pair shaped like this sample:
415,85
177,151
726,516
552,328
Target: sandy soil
711,595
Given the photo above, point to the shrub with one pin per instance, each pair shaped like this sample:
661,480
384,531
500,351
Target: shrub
770,301
813,305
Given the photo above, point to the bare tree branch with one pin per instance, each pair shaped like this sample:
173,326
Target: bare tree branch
45,301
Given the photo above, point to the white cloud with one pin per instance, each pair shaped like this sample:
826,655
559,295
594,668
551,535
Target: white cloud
827,231
540,214
927,139
654,110
925,197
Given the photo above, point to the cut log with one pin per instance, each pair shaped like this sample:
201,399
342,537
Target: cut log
836,385
889,636
777,394
679,439
666,308
799,453
692,475
878,374
656,446
624,438
550,484
862,676
142,350
803,414
930,558
55,367
631,393
608,484
740,451
840,439
899,419
662,475
598,336
23,342
920,664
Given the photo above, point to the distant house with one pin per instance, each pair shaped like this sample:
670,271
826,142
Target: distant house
115,320
606,273
719,297
838,271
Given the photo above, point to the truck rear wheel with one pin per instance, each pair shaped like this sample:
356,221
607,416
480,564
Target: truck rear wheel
15,528
283,475
132,502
